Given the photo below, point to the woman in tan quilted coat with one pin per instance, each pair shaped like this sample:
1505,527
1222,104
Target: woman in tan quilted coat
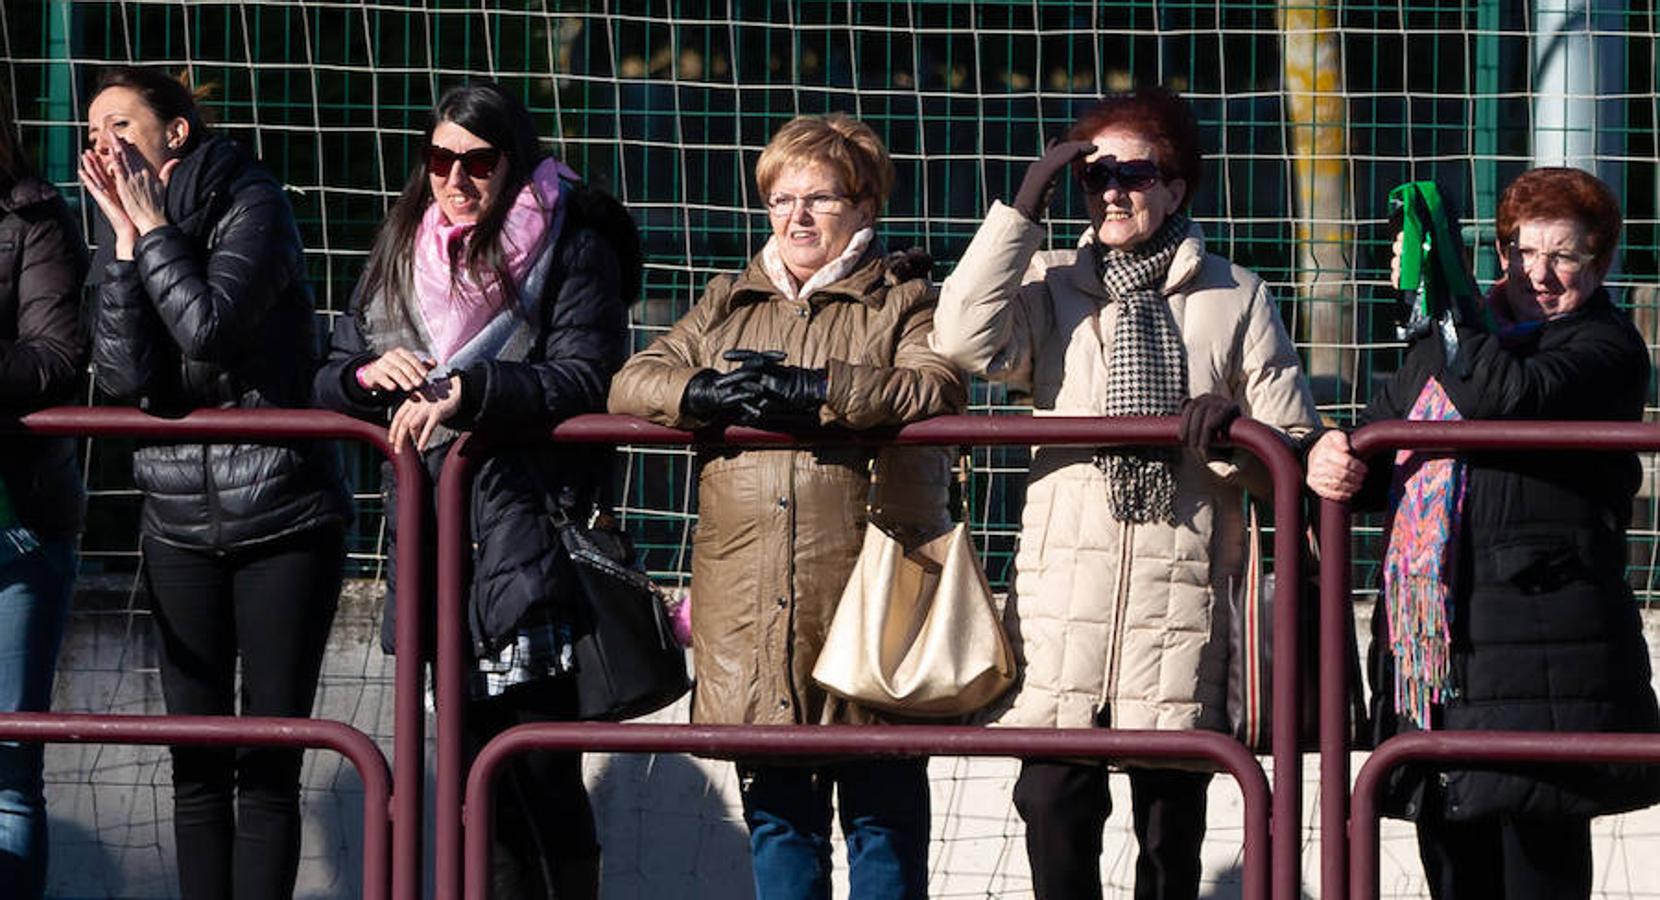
1119,611
820,329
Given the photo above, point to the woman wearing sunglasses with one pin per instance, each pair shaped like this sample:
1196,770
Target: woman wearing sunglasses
1120,605
202,301
495,298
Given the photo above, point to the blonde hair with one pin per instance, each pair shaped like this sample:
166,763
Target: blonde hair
838,142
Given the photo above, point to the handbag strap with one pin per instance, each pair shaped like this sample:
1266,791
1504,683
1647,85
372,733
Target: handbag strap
964,467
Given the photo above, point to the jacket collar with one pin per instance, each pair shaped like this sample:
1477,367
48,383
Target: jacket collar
201,185
1190,256
865,284
27,191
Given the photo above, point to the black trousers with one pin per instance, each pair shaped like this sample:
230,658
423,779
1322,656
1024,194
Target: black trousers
545,846
236,812
1065,805
1506,859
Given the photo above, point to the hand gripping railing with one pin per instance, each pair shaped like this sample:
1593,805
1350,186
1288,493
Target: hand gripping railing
1265,443
1361,827
407,774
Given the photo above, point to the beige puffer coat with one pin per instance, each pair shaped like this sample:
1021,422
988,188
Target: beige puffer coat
1130,618
778,531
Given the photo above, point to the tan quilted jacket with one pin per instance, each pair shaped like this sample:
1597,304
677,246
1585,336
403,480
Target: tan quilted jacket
778,531
1128,618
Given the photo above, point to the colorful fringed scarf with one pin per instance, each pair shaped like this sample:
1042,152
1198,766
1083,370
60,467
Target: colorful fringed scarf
1417,567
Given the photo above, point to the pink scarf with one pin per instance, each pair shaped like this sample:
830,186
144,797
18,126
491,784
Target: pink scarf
452,305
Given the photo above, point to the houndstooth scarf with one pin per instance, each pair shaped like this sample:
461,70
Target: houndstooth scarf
1147,372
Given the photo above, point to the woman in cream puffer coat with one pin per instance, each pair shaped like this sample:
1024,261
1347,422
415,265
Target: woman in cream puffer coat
1120,611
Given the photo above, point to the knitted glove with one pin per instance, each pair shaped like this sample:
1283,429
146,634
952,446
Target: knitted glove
1039,184
1204,419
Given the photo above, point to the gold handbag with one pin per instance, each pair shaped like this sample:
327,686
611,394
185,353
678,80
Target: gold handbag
917,634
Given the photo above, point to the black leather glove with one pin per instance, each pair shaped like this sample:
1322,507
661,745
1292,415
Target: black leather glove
780,394
1039,184
713,397
1204,419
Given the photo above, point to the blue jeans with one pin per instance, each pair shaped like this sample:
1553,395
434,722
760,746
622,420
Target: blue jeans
884,817
34,605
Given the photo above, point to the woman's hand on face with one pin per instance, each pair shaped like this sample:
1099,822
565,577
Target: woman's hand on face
398,369
143,190
425,409
1333,472
101,185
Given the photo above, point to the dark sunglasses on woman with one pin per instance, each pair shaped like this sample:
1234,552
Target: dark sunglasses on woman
1131,174
478,162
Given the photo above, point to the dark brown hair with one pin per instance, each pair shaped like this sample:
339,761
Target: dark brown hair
1559,193
487,110
168,96
1159,116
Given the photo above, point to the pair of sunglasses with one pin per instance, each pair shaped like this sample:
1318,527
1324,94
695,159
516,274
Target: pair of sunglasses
1131,174
477,163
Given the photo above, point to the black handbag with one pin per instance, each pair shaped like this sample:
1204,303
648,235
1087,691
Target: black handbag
627,662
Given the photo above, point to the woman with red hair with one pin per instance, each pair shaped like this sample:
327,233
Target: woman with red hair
1505,604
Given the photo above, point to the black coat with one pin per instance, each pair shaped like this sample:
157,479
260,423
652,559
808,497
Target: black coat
42,350
1545,630
579,342
214,311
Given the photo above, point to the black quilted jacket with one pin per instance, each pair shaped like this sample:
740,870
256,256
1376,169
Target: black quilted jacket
214,311
42,349
579,342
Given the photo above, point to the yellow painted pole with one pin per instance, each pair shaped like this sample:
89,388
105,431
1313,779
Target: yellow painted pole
1317,117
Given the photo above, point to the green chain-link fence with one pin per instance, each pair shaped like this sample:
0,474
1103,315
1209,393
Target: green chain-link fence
1311,112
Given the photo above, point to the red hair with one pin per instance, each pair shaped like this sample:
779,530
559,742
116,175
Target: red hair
1157,115
1557,193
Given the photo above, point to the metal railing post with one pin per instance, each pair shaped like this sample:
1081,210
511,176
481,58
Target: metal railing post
1265,443
408,771
235,731
1348,822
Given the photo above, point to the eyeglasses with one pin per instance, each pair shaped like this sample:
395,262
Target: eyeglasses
818,204
1563,261
1131,174
478,162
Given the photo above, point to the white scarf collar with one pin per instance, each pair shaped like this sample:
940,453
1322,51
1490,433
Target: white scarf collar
772,262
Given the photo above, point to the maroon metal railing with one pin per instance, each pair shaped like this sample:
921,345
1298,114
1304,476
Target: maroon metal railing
408,722
888,740
1343,835
244,731
1265,443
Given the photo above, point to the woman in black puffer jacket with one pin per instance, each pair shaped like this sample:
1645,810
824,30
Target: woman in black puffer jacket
202,301
495,299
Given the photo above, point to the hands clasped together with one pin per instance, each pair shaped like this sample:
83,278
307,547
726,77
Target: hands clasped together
761,391
131,192
426,405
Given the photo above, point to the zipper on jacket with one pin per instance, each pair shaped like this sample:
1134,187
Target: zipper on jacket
211,495
1115,649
